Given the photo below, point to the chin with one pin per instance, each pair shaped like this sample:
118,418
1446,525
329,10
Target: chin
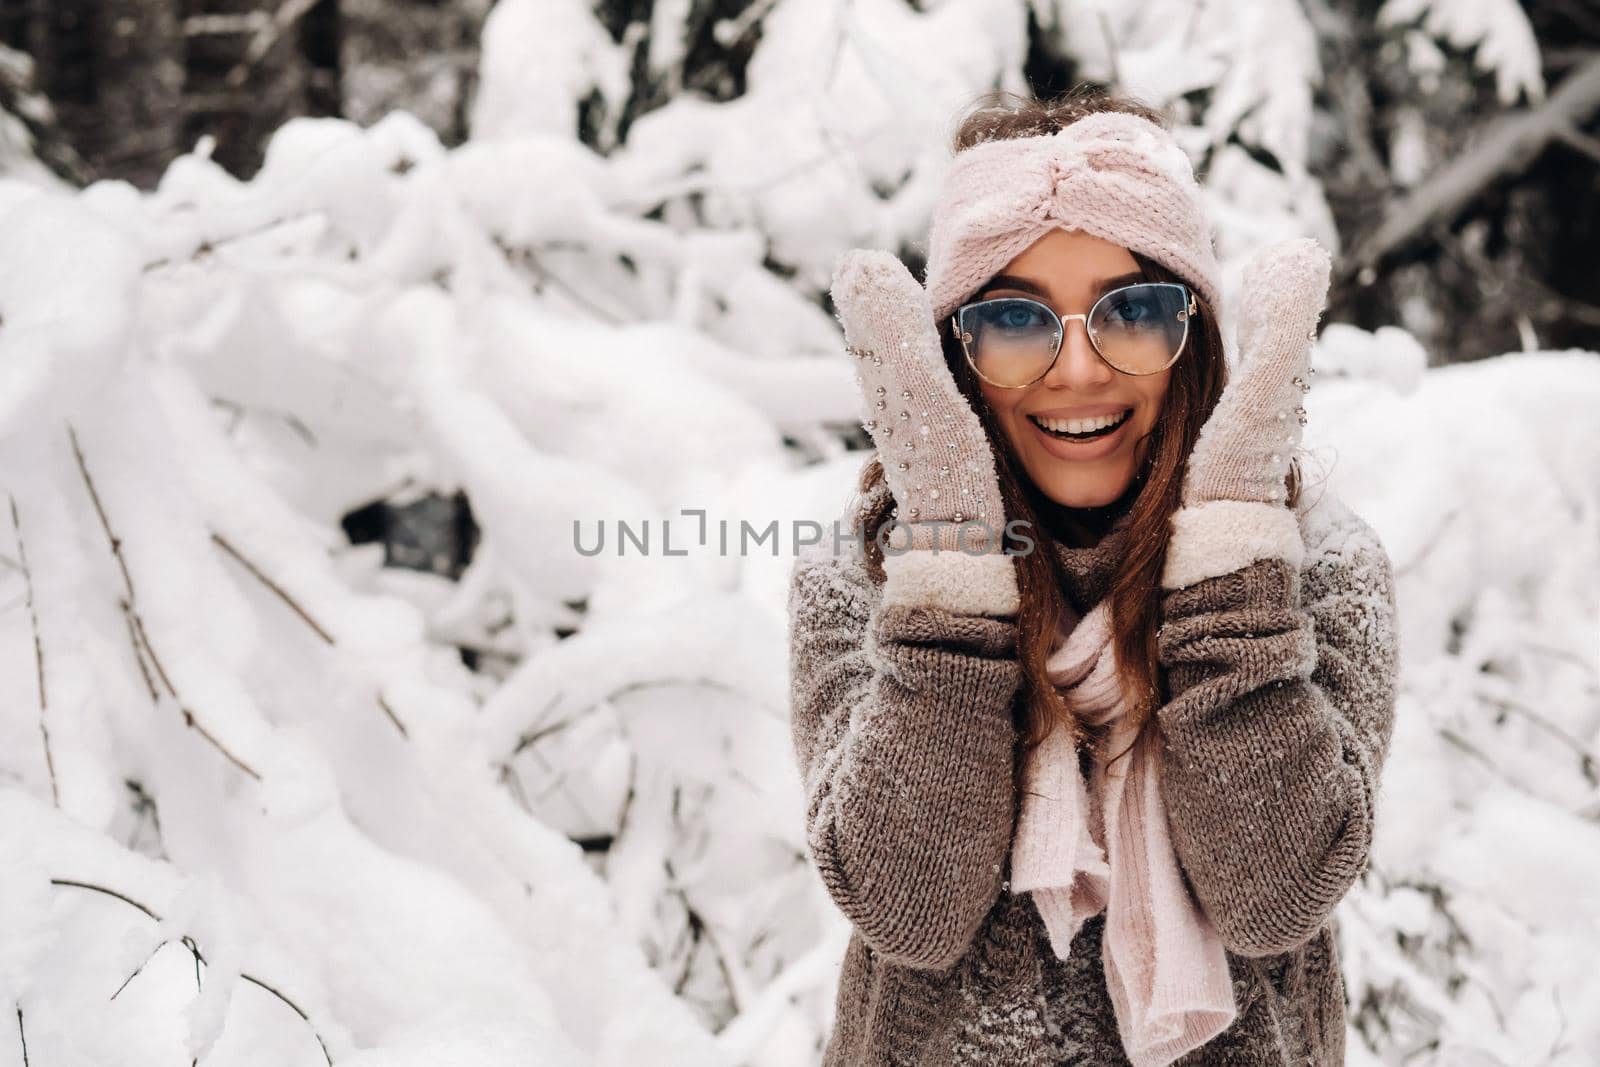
1101,492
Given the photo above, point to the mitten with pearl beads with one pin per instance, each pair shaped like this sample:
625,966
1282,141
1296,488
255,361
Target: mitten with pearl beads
1233,507
948,548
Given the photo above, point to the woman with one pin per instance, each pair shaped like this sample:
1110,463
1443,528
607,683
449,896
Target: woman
1091,733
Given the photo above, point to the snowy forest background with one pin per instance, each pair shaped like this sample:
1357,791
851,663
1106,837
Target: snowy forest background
321,321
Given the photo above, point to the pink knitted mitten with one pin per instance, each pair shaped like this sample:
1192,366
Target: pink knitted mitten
1233,498
947,549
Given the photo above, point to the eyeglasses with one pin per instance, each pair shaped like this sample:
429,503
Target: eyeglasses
1013,341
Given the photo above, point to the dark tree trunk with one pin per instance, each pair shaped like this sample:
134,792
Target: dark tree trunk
113,70
246,76
321,38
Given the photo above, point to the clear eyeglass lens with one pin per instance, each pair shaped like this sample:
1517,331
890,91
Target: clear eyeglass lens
1011,340
1137,329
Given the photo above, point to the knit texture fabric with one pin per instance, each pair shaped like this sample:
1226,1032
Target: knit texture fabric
1116,176
1165,967
936,457
1243,450
1276,718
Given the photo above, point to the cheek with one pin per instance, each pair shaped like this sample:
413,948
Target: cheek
1155,399
1012,424
1002,406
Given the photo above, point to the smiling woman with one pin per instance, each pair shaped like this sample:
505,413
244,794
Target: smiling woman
1072,270
1093,804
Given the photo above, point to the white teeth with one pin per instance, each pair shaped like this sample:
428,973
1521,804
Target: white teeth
1080,425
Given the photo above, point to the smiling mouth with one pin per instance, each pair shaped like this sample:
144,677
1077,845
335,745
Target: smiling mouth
1088,435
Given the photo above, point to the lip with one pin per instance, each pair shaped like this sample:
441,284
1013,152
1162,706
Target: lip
1087,412
1099,447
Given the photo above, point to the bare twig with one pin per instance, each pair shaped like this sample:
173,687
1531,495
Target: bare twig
1533,715
387,710
278,590
189,718
38,652
137,970
629,796
700,929
209,245
289,418
190,944
1455,738
513,784
533,737
138,654
22,1035
136,623
93,888
105,523
305,616
526,256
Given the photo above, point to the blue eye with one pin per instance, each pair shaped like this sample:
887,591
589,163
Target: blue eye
1136,311
1132,311
1017,316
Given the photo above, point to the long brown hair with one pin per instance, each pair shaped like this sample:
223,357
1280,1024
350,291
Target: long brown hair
1198,378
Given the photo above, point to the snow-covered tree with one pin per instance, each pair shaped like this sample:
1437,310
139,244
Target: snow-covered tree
292,805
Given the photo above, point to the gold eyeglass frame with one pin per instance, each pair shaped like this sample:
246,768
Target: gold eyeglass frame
1184,316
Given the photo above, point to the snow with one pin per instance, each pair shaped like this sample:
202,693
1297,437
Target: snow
1497,32
220,710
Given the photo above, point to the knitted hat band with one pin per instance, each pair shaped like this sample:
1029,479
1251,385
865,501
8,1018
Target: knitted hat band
1111,174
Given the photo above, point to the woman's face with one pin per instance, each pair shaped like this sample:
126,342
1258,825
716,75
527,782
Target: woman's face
1069,270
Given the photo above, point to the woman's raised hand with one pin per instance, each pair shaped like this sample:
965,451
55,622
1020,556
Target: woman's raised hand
936,457
1244,447
1233,506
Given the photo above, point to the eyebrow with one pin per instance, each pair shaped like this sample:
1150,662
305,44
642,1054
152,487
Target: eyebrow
1026,285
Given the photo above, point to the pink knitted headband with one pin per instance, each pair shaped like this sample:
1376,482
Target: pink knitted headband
1114,175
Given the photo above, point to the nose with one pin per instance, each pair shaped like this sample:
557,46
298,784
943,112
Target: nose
1079,367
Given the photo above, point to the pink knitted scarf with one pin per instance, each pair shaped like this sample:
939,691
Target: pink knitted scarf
1165,967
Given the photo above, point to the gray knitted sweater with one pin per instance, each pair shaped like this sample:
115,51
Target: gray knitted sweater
1277,713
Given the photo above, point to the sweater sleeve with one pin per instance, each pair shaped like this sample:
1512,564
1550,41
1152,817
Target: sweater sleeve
1281,683
901,721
